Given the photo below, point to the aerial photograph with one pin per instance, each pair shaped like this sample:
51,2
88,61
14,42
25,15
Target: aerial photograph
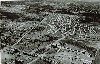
50,32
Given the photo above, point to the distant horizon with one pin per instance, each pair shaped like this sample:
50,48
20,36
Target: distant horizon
57,0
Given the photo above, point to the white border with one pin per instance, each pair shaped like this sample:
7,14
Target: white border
11,0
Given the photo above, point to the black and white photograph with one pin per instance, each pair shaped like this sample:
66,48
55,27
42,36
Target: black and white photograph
50,32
